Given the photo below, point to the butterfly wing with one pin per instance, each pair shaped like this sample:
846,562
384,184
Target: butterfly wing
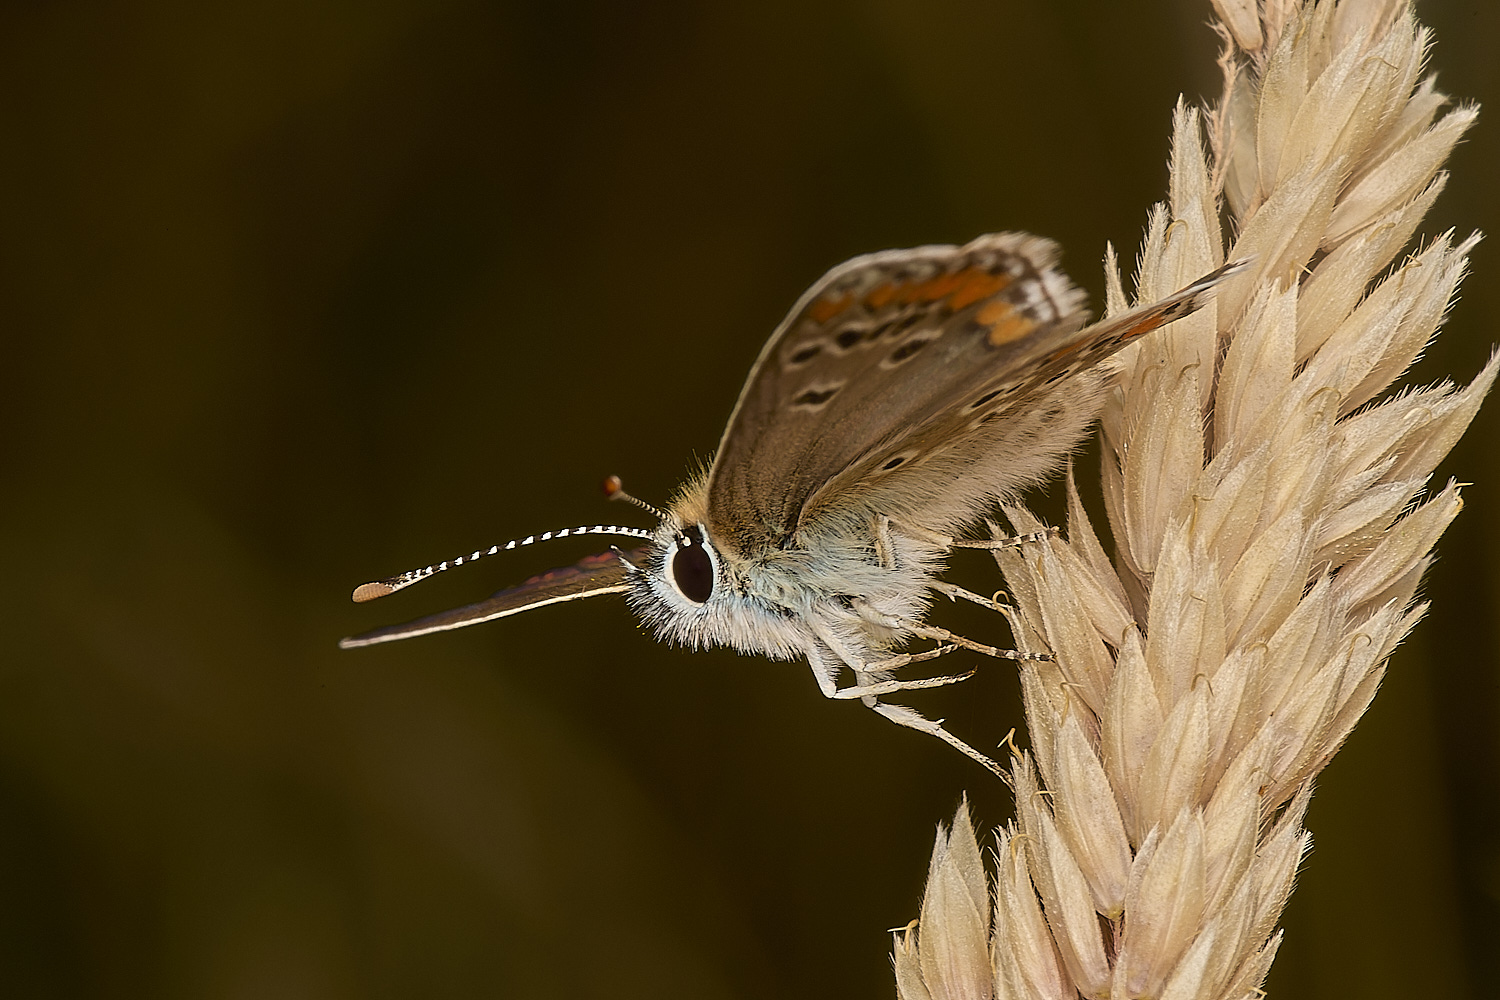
1041,357
604,573
881,346
892,357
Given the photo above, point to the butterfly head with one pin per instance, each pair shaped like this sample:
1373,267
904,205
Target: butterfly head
682,572
694,589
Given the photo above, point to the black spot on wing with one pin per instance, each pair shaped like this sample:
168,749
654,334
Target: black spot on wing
814,398
896,461
848,337
908,349
1060,375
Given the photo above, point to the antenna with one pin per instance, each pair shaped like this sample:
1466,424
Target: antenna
614,489
391,584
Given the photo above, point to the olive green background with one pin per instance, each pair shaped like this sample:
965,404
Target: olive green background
298,294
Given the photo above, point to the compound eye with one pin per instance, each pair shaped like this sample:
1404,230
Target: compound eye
692,568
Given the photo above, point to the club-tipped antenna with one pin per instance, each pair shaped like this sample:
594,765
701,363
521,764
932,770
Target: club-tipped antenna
380,588
614,489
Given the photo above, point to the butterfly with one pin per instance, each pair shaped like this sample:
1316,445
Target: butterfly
905,395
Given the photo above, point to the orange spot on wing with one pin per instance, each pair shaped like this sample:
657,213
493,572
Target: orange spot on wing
824,310
881,295
976,285
935,288
1145,324
1006,325
994,312
966,287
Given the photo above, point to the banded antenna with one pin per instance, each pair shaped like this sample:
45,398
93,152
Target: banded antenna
614,489
380,588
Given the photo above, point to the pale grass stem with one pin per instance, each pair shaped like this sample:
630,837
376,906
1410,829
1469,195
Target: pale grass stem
1268,495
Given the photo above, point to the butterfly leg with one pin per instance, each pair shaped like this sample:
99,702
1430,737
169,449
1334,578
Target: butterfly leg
885,552
1008,542
880,528
870,613
872,678
868,690
830,655
956,593
913,719
950,542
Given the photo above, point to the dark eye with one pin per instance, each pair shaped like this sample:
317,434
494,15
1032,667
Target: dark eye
692,569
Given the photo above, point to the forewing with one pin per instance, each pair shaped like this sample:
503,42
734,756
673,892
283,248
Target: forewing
880,348
599,574
1040,357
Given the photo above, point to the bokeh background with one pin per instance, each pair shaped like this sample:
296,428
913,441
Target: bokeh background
300,293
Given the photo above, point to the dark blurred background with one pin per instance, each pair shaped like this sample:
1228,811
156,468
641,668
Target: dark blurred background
298,294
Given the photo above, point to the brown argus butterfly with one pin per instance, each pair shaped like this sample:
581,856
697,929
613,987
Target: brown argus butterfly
907,393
